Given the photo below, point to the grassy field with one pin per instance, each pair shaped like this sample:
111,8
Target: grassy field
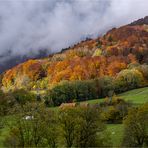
116,131
3,134
7,121
137,96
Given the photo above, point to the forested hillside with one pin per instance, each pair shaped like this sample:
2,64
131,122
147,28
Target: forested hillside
115,62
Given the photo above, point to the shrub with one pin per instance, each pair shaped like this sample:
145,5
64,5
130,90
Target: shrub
23,96
97,52
7,103
128,79
106,84
114,110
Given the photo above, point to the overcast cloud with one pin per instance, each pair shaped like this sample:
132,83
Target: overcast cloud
31,25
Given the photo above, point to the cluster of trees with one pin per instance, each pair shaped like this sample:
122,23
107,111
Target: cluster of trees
86,68
129,79
9,101
37,126
75,127
69,91
81,69
22,74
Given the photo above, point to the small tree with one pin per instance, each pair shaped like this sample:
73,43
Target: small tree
82,127
90,128
68,125
110,38
34,127
136,127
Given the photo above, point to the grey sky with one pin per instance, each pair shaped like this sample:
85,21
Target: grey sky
31,25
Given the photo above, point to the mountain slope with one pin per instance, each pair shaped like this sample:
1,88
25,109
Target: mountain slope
8,61
118,49
141,21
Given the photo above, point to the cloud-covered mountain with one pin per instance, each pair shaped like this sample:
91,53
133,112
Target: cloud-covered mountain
27,26
120,53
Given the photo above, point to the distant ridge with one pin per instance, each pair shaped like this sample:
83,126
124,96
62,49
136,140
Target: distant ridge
14,60
140,21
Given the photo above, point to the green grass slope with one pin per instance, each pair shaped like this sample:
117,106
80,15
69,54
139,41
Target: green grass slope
116,132
137,96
